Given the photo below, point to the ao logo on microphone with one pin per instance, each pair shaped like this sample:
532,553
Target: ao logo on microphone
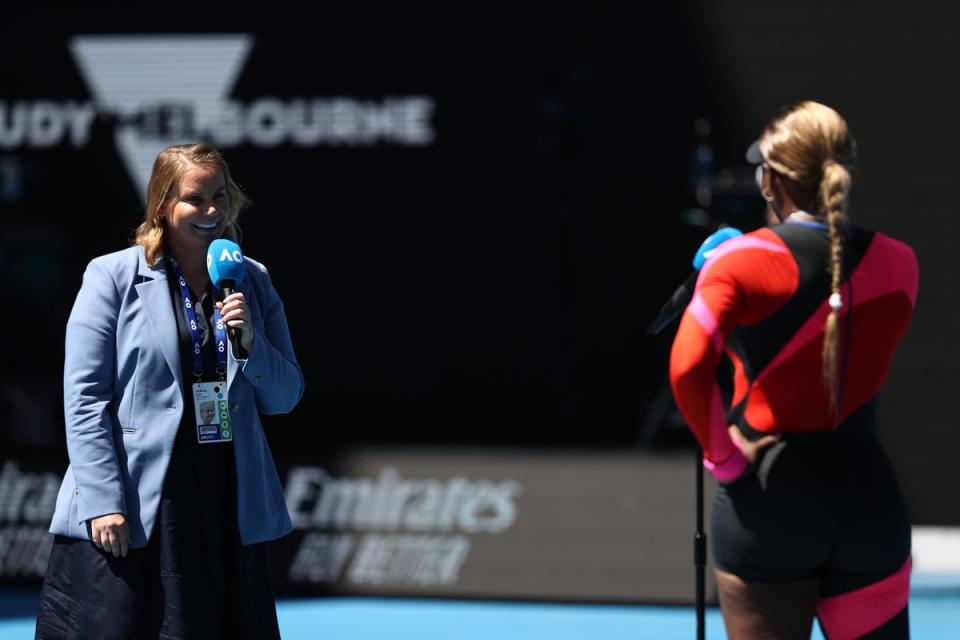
226,256
235,257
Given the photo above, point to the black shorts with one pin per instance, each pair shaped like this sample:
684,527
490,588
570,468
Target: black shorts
823,505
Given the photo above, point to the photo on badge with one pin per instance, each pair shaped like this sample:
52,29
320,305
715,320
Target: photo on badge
213,419
208,412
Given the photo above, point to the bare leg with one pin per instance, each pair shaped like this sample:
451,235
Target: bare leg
767,610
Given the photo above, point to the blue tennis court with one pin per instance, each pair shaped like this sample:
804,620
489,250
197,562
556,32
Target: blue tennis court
934,615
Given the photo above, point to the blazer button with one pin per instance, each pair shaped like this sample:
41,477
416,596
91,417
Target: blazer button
257,379
234,407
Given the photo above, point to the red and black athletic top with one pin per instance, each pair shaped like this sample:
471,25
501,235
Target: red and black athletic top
762,299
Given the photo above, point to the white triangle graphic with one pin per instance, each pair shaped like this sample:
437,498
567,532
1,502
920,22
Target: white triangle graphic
130,75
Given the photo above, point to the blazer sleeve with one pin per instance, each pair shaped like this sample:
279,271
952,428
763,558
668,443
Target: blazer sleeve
271,366
88,394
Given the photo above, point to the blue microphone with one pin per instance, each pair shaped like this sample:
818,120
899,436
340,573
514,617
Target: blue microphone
225,265
713,241
226,268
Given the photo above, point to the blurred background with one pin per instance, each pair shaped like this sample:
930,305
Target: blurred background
471,216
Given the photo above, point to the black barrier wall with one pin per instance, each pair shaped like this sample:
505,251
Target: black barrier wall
471,217
599,527
532,525
463,212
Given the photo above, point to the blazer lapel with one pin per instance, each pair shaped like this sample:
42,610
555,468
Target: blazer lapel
155,296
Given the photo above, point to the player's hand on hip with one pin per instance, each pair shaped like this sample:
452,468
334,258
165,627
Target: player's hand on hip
751,449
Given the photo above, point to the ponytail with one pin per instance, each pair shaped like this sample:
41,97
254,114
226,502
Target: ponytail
834,191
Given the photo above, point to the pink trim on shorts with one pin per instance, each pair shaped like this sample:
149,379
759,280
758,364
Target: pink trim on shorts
855,613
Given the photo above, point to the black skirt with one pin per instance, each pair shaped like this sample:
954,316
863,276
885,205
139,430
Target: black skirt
193,579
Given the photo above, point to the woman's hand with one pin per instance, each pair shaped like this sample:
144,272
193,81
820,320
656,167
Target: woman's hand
751,450
236,314
111,533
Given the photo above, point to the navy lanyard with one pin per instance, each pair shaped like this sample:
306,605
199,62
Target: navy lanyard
195,329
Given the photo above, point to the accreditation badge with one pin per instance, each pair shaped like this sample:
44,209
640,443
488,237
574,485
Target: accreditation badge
212,412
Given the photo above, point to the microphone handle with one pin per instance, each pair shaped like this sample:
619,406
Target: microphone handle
675,305
227,287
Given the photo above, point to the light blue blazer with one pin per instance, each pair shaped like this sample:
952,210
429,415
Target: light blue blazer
123,397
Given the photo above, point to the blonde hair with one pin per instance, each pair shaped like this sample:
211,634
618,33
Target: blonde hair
809,143
168,168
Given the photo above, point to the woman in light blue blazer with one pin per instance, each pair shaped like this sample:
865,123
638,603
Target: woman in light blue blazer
160,518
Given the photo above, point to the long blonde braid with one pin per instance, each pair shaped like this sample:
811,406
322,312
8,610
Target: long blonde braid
834,190
809,144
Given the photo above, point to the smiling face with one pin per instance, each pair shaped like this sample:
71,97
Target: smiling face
208,412
195,212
